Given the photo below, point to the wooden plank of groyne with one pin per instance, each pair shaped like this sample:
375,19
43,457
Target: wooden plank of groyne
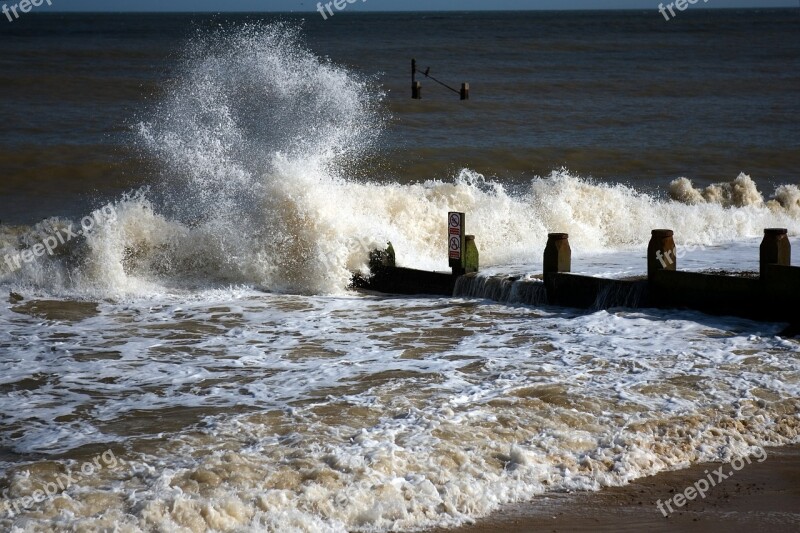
397,280
709,293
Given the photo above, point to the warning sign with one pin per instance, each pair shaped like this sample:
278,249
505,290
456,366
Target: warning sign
455,237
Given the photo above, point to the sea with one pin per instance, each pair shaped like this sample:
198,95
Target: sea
185,197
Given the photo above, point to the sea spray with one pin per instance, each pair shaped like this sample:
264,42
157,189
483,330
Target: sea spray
145,250
254,136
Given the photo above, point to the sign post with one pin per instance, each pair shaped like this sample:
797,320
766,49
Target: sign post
455,241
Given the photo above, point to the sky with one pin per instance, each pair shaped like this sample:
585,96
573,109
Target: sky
386,5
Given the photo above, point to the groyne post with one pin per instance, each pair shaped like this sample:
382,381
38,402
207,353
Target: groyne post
775,249
661,252
416,87
416,90
471,256
381,259
465,91
557,254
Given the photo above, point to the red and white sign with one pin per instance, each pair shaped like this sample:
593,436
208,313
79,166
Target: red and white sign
455,220
455,233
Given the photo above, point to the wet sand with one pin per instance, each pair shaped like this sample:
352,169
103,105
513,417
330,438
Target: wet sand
760,497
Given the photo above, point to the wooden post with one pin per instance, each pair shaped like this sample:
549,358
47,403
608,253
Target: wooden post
775,249
382,259
416,87
661,252
416,90
465,91
471,256
557,254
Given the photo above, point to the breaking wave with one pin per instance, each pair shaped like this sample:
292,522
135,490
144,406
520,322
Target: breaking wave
256,139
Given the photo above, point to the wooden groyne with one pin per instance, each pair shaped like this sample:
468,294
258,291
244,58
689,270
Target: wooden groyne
772,294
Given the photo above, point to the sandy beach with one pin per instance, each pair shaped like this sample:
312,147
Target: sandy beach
760,497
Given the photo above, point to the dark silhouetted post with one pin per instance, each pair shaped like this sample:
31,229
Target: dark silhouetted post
416,87
465,91
557,253
775,249
416,91
661,252
382,259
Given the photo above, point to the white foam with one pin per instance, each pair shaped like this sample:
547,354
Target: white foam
145,252
367,414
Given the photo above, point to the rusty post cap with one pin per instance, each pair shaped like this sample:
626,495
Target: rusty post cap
557,236
469,237
662,233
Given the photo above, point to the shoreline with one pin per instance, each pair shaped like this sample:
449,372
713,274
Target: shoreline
759,497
